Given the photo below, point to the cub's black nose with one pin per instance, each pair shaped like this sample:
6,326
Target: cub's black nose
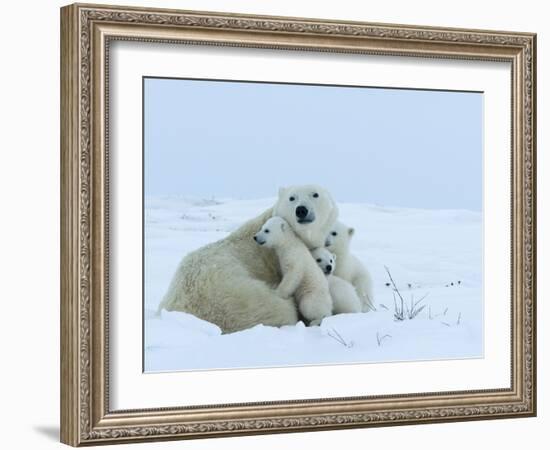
329,268
301,212
255,238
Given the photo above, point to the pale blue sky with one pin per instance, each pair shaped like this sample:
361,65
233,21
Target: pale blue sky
390,147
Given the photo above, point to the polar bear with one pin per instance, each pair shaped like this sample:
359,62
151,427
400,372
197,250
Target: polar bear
302,277
232,282
343,294
349,267
310,211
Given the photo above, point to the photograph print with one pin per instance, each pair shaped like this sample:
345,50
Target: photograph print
290,224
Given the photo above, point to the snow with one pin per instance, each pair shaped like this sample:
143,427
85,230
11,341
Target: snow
428,252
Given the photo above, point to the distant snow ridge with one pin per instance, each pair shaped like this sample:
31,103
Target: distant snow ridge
435,252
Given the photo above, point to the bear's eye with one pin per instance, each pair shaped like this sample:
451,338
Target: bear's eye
316,195
318,259
292,198
267,231
334,233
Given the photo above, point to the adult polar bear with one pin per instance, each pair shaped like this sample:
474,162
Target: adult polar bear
232,282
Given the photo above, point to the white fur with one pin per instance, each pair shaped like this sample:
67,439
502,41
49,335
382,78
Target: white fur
344,297
322,207
302,278
349,267
232,282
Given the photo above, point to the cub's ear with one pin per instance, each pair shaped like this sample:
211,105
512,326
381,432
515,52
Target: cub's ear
282,191
283,226
351,231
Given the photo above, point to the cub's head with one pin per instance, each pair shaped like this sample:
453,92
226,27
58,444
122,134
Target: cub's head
324,259
309,210
272,232
339,237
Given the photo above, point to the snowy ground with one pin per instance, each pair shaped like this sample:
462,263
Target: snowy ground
433,252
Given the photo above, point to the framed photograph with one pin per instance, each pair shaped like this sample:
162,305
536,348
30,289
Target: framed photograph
276,224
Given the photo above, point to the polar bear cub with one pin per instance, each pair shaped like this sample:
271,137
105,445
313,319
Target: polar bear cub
301,277
344,297
349,267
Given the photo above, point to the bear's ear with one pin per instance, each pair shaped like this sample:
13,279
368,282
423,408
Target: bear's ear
351,231
283,226
282,191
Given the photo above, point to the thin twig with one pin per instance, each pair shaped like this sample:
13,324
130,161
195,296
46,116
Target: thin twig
404,311
393,282
422,298
414,311
417,311
336,339
379,338
398,312
338,334
340,339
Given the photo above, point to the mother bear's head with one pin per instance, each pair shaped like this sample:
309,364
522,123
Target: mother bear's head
310,210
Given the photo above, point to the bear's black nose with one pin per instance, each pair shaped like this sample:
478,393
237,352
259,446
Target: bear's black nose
329,268
301,212
255,238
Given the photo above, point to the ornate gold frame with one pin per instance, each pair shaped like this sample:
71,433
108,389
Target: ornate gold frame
86,31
